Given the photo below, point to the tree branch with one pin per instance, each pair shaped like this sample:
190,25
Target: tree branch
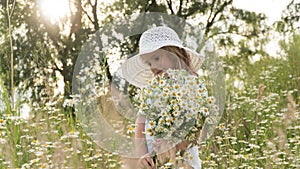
210,21
228,32
179,12
94,10
169,2
94,22
85,12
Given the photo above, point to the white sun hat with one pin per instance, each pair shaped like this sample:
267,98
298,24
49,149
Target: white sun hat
136,72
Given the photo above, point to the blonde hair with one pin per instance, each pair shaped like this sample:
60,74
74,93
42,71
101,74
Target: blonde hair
183,56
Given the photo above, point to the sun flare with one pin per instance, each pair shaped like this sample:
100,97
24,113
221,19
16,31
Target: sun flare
54,9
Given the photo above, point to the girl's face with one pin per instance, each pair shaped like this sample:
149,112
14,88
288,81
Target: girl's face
160,60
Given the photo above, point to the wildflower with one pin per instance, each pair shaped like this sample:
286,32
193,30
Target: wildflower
150,131
210,100
38,153
174,101
152,123
176,86
143,105
98,155
65,149
44,166
200,90
14,118
184,90
161,83
169,164
34,160
73,134
176,113
88,159
161,121
19,153
168,87
173,93
204,111
222,126
130,130
149,81
168,121
70,102
163,114
94,165
25,165
193,128
178,94
159,129
191,83
112,165
188,115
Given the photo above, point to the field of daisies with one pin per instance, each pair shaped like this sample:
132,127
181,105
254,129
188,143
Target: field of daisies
260,127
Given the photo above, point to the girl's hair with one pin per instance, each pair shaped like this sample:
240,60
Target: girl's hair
182,55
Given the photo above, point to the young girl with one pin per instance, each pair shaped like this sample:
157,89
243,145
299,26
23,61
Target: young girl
160,50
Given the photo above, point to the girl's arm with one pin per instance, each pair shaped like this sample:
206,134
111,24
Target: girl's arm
145,160
140,138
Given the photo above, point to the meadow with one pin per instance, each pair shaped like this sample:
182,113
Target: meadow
260,128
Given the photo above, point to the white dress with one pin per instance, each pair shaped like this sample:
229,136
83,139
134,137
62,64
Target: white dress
195,162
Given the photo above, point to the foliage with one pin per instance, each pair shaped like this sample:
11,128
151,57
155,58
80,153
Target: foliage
259,129
51,48
290,18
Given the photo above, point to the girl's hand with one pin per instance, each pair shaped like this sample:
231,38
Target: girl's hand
146,161
161,145
157,143
182,146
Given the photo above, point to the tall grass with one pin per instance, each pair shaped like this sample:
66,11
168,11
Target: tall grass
50,138
259,129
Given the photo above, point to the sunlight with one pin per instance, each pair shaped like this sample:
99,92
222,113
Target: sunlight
54,9
273,11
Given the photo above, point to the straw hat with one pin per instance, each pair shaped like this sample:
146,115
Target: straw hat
136,72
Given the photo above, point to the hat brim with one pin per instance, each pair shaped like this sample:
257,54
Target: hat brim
138,73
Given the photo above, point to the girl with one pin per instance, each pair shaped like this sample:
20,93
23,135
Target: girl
160,49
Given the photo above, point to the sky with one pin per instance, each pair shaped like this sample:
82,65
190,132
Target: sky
272,8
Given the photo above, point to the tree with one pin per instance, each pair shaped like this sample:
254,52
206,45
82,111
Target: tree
42,49
239,34
290,18
44,52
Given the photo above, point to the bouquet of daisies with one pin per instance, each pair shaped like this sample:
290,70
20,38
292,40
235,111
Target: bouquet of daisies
176,105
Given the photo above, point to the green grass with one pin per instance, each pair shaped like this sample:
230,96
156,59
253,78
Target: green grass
259,129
